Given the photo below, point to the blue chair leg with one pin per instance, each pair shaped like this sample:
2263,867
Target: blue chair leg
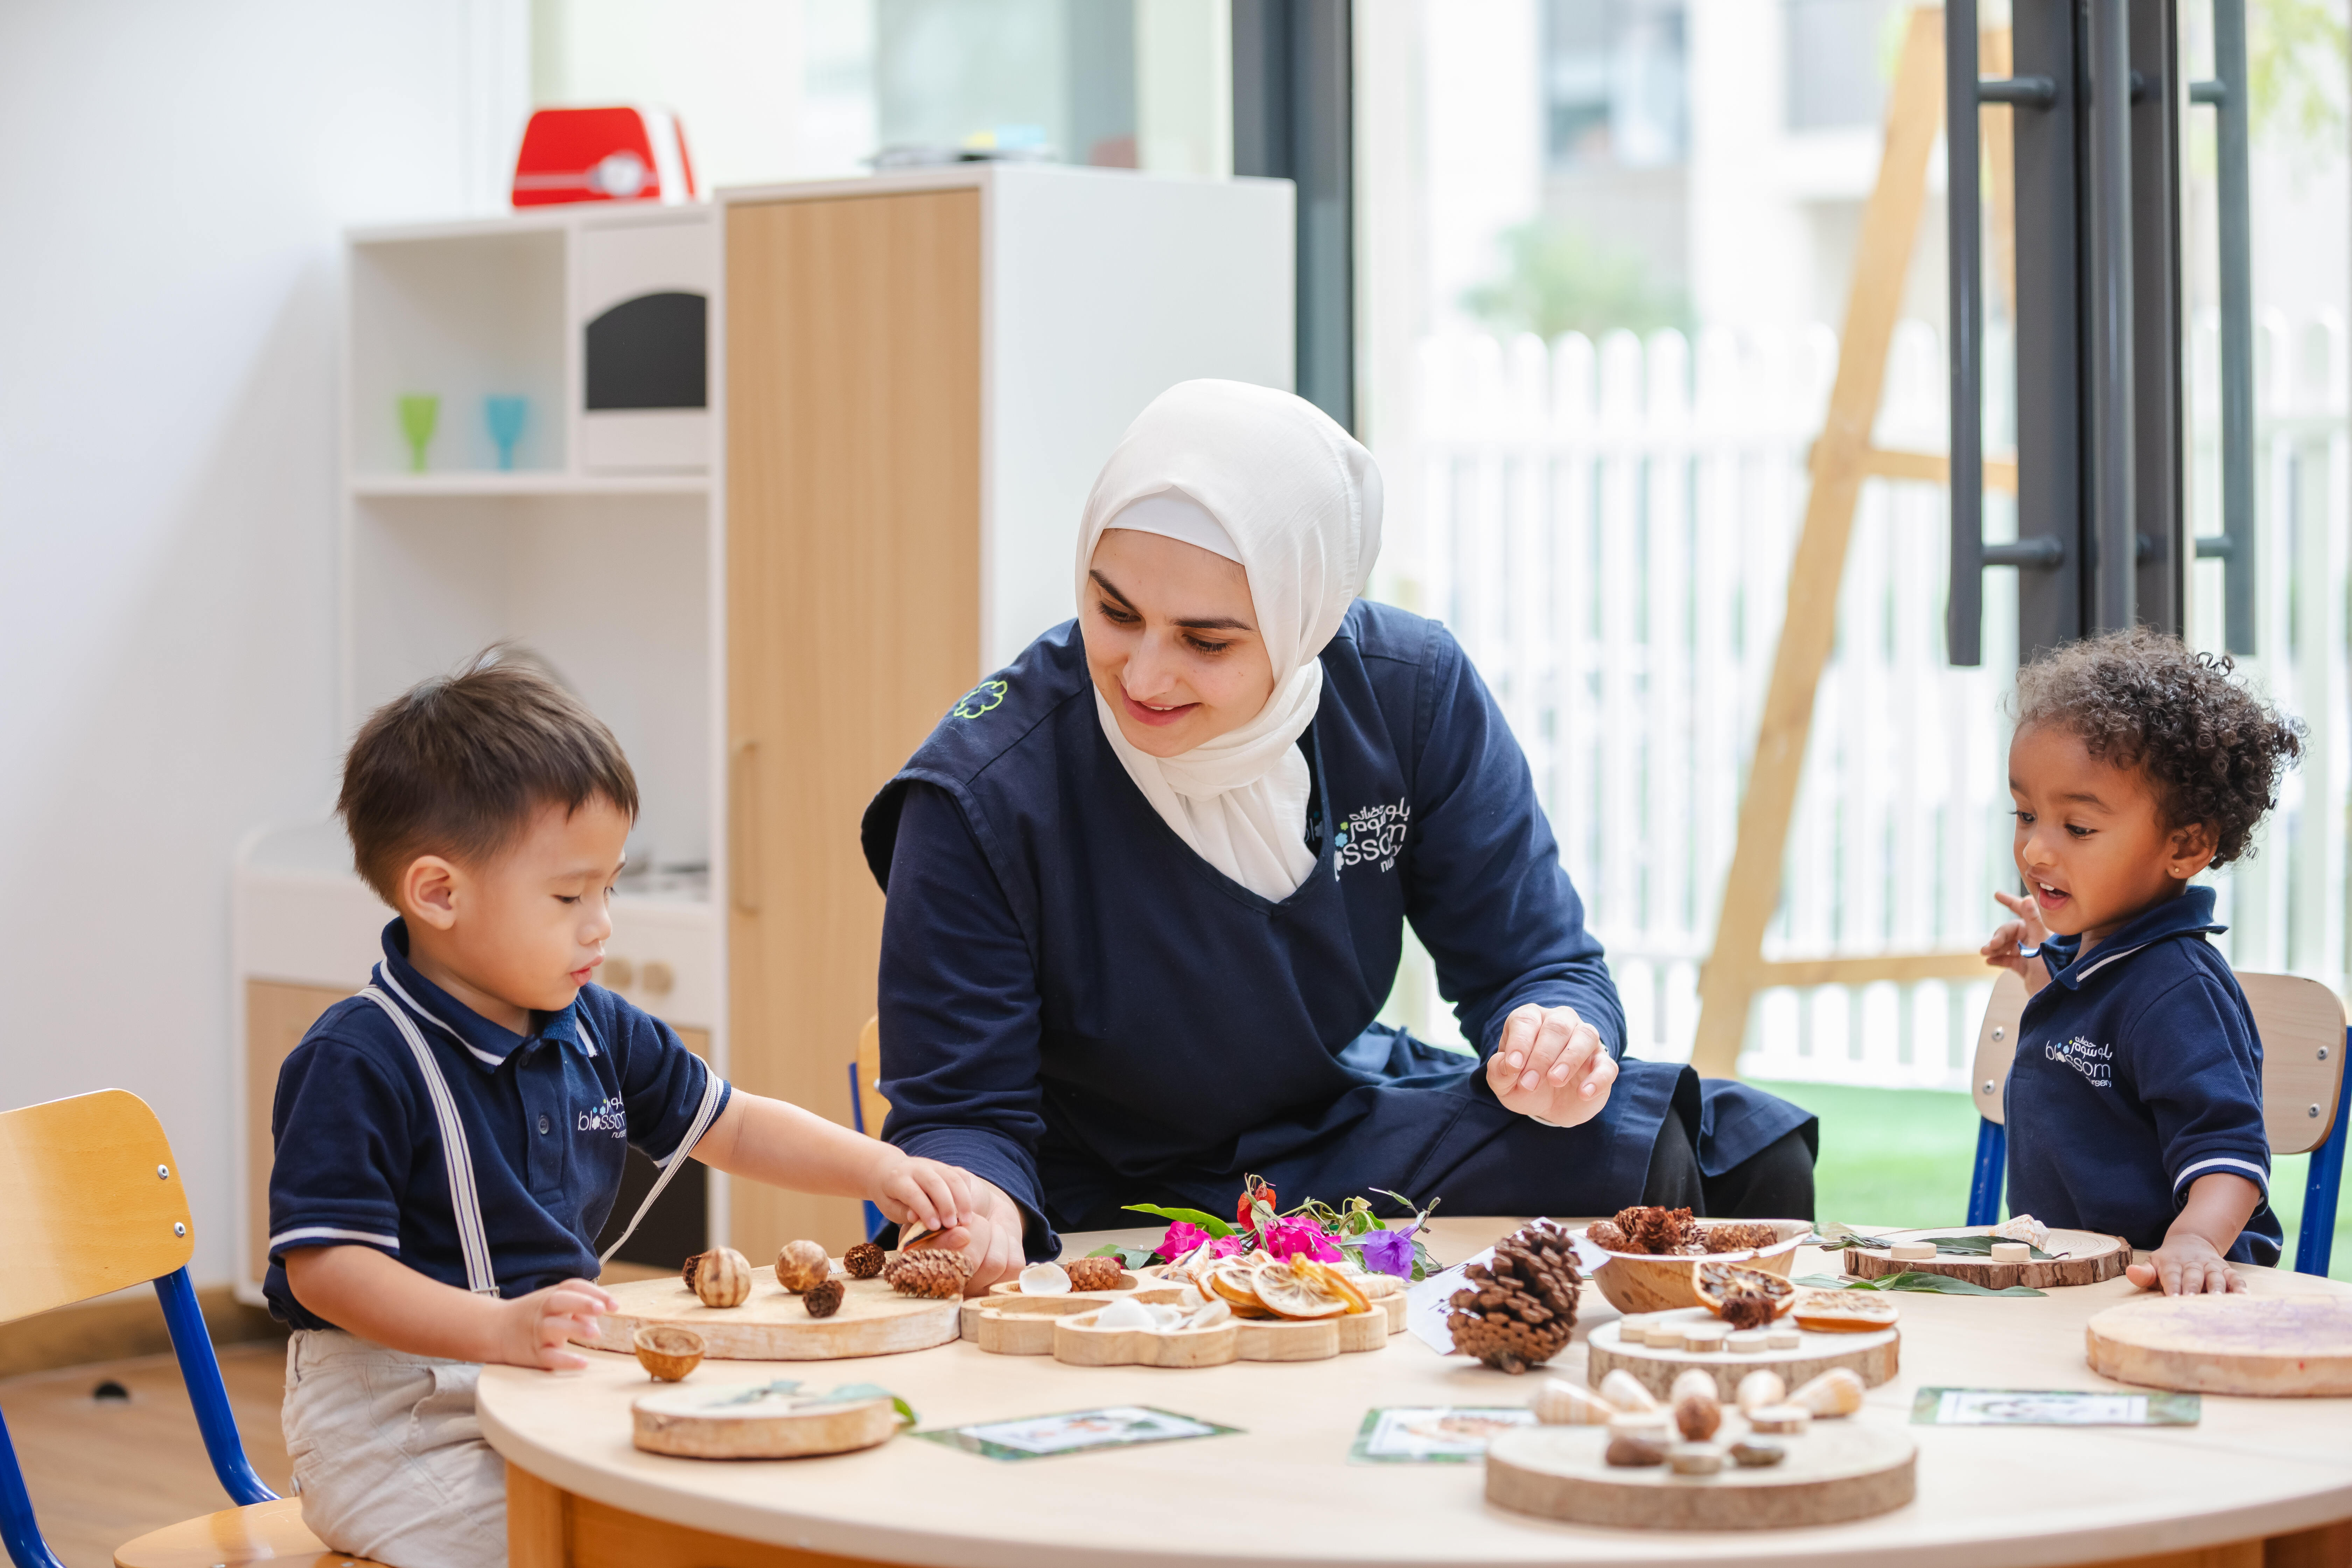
201,1369
1992,1166
18,1528
2316,1239
874,1220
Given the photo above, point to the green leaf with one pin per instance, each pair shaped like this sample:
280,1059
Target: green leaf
1207,1222
1916,1280
1975,1245
1128,1256
906,1412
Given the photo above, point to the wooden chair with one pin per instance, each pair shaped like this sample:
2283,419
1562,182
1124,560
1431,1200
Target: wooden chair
94,1203
867,1106
2304,1041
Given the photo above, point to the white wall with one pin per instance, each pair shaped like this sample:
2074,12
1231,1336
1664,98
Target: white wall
177,181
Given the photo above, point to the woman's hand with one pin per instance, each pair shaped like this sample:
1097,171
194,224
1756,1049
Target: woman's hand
1550,1065
988,1234
2005,951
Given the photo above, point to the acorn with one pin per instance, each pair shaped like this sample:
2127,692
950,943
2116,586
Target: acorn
801,1265
720,1277
864,1260
822,1299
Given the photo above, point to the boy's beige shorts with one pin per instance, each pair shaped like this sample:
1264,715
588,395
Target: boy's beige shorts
388,1454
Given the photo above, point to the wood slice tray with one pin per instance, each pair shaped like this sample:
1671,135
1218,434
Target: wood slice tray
773,1325
1837,1470
2265,1346
718,1423
1873,1357
2088,1257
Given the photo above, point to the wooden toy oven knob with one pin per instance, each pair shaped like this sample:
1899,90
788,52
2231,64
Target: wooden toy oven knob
619,973
659,978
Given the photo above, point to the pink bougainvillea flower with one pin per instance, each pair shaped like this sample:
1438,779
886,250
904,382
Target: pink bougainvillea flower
1182,1238
1300,1238
1227,1246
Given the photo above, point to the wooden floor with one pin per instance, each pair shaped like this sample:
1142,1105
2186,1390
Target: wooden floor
103,1471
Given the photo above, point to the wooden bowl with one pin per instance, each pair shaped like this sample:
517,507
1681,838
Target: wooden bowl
669,1354
1639,1283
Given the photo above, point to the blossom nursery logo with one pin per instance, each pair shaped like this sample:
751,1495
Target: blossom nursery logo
1373,833
2090,1060
987,695
613,1117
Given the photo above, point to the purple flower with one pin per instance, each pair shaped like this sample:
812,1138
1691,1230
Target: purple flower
1182,1238
1296,1237
1389,1252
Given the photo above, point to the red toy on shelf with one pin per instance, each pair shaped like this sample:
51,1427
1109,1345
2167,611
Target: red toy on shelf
624,154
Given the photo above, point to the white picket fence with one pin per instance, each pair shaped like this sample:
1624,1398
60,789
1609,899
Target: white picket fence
1608,530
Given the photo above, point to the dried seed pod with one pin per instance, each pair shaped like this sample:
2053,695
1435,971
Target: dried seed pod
1559,1402
1660,1232
801,1265
1627,1392
685,1270
667,1353
1519,1308
928,1271
1604,1234
1629,1449
1752,1236
1697,1417
1761,1388
1094,1273
822,1299
864,1260
722,1277
1837,1392
1755,1453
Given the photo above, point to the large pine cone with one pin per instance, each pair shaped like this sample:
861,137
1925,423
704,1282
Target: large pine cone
928,1271
1518,1310
1660,1232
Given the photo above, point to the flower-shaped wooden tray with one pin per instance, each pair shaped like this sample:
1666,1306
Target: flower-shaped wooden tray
1064,1327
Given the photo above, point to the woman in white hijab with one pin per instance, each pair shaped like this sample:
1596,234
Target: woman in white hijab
1148,889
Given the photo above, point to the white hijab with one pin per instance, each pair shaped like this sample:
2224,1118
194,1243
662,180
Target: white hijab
1267,479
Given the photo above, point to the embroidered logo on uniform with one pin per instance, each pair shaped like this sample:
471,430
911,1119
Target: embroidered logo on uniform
1374,833
2090,1060
613,1117
980,700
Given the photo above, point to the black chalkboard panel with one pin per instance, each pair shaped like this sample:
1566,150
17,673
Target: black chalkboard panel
678,1225
650,352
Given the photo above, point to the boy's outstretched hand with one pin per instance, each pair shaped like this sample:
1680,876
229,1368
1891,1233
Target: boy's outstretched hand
2005,949
537,1329
2185,1265
930,1195
1550,1065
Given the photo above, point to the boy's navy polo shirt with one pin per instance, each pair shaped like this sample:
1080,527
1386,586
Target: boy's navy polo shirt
548,1117
2137,1071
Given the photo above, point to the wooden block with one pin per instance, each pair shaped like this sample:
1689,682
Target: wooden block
774,1324
1873,1357
2265,1346
1783,1339
2012,1252
721,1424
1911,1251
1845,1471
1705,1338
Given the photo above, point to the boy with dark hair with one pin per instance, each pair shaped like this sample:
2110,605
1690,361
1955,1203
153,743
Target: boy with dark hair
2135,1103
449,1141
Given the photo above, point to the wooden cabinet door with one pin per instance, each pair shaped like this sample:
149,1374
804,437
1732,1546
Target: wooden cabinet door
853,610
277,1014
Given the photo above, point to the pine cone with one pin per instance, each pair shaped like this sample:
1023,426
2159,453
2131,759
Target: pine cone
864,1260
1751,1236
1520,1310
1660,1232
1605,1235
1092,1273
928,1271
823,1300
1748,1310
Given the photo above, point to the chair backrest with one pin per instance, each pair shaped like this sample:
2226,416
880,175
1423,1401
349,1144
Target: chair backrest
93,1201
869,1105
2301,1022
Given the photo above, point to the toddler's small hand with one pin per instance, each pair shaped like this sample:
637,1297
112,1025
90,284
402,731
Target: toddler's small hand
2185,1265
935,1197
2006,950
540,1325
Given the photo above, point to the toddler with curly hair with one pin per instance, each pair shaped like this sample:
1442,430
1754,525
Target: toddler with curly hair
2134,1104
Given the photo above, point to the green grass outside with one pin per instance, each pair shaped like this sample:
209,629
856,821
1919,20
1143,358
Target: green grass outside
1901,1157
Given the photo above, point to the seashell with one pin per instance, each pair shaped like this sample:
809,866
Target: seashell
1694,1458
722,1277
2024,1227
1632,1449
1190,1299
1044,1279
1694,1381
669,1354
1697,1417
1209,1314
1624,1390
802,1263
1785,1420
1758,1389
1837,1392
1559,1402
1755,1453
1126,1313
1166,1317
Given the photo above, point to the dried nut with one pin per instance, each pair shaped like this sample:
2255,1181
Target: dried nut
1632,1449
1561,1403
1044,1279
669,1354
1696,1416
1784,1420
1784,1339
1694,1458
1837,1392
2012,1252
722,1277
1912,1251
1761,1388
822,1299
1624,1390
1095,1273
801,1265
1694,1381
1755,1453
1746,1341
864,1260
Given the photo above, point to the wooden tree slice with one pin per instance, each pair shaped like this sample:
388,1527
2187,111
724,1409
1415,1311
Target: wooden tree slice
2088,1258
2267,1346
1873,1357
774,1325
714,1424
1837,1470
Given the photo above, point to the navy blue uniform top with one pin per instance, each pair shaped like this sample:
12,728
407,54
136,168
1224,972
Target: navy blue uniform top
1077,1007
2137,1071
548,1117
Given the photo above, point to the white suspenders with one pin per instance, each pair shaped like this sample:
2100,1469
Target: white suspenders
465,1198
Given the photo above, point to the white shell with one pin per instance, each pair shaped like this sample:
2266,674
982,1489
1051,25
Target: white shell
1190,1299
1758,1389
1209,1315
1559,1403
1044,1279
1837,1392
1624,1390
2024,1227
1167,1316
1692,1382
1126,1313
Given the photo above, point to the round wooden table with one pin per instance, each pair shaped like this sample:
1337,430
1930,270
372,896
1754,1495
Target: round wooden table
1282,1492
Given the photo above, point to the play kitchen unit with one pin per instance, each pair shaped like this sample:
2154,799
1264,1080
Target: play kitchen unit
770,482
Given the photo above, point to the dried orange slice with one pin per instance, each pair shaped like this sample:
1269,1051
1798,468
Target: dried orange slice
1287,1292
1712,1281
1231,1280
1844,1312
1331,1282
